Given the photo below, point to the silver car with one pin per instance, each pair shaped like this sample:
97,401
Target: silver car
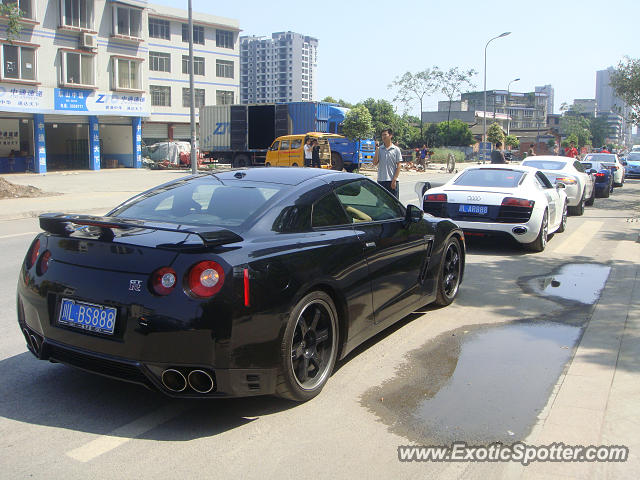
580,185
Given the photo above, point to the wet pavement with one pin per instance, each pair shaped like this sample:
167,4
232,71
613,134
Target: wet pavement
489,383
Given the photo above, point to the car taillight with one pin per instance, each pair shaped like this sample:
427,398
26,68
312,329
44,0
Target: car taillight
33,254
436,197
205,279
600,175
517,202
163,280
566,180
43,265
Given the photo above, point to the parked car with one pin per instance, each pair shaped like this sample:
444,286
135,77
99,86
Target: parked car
632,168
612,159
579,183
236,283
507,200
603,174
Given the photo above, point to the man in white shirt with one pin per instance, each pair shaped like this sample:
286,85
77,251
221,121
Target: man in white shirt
388,158
308,152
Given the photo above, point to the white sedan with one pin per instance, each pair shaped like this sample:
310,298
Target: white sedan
508,200
580,185
611,160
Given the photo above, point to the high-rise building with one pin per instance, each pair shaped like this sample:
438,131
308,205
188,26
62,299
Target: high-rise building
278,69
548,89
585,106
608,101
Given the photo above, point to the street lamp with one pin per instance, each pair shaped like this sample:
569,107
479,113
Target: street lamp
484,123
508,116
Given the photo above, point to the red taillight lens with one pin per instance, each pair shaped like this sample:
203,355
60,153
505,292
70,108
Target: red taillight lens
436,197
163,280
43,265
517,202
33,254
600,175
205,279
566,180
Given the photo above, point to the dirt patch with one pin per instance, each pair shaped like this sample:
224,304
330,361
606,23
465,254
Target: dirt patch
11,190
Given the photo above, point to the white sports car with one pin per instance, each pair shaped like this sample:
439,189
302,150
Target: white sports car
580,185
508,200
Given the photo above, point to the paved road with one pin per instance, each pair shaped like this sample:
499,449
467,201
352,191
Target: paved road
57,422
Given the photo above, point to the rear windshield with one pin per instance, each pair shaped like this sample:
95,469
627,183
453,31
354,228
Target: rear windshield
597,165
545,164
635,156
487,177
600,157
201,201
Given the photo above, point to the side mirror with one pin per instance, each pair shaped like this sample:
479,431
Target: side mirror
413,215
624,162
420,188
593,170
560,185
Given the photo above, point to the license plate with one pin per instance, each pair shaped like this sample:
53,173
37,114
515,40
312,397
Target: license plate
87,316
474,209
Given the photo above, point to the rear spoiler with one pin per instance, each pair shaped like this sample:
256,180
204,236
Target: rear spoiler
62,224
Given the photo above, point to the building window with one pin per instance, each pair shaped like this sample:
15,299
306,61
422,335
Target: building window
224,97
198,100
198,65
78,68
127,21
224,68
126,73
24,5
160,96
224,39
159,62
18,62
77,13
198,33
159,28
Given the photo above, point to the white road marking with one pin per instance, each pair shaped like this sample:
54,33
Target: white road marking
18,235
580,238
124,434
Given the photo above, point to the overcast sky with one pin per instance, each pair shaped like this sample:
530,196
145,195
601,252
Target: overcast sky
364,45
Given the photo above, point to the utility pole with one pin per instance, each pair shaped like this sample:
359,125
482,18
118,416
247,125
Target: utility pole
192,97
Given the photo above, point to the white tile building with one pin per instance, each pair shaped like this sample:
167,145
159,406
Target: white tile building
86,80
278,69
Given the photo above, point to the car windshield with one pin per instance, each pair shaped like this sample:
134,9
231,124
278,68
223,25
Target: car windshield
545,164
201,201
489,177
634,156
600,157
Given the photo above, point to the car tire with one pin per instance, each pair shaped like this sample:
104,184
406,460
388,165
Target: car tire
607,191
268,164
309,348
578,209
241,161
336,161
592,198
540,243
563,222
449,273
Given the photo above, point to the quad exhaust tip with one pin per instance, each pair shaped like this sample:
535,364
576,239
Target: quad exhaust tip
200,381
174,380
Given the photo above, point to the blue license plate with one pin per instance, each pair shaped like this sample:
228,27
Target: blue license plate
474,209
87,316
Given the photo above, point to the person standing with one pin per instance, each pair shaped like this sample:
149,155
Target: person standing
308,152
497,155
388,159
532,151
571,150
315,154
423,156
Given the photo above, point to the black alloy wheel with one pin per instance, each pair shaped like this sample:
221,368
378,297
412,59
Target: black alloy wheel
309,348
450,273
592,198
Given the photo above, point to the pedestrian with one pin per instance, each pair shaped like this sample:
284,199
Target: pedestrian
531,152
308,153
497,155
423,156
388,159
315,154
571,150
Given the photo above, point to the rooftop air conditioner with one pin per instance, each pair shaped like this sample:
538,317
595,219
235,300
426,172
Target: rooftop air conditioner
88,41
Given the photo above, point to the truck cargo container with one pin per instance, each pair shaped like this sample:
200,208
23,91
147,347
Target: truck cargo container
241,134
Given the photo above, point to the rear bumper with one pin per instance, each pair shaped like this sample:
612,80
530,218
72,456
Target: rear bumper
501,229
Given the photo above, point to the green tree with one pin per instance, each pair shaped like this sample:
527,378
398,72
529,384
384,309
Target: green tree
455,133
512,141
575,124
383,116
341,102
551,143
567,141
13,14
625,81
357,123
495,133
452,82
414,86
599,129
432,137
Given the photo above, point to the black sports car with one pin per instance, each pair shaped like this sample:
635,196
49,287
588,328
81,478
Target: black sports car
236,283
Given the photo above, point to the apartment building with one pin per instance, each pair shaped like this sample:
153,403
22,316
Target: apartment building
526,110
87,81
278,69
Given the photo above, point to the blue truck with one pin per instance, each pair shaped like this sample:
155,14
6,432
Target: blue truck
241,134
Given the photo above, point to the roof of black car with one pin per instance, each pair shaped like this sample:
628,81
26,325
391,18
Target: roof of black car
283,175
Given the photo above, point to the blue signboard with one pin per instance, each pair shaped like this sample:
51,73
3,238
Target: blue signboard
94,143
484,152
136,126
71,100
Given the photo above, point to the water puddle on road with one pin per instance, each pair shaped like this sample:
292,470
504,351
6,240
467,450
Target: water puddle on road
488,383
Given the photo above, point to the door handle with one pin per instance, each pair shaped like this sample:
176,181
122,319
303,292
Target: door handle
370,244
